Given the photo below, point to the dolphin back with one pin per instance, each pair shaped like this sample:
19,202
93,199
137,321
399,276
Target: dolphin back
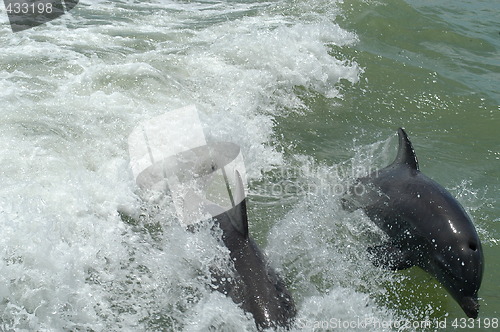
256,286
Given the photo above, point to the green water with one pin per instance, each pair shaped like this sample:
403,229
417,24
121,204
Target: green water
264,75
439,80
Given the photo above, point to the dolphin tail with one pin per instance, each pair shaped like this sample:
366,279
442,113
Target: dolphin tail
406,153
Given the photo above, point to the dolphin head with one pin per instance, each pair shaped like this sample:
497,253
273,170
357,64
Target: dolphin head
456,259
460,272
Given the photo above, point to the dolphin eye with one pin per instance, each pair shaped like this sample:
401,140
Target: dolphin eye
472,246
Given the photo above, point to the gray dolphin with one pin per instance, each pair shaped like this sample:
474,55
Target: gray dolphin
255,286
427,227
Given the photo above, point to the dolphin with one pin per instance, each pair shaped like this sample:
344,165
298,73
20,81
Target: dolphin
426,226
255,285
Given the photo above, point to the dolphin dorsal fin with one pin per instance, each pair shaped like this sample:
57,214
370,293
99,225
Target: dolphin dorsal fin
239,193
406,154
240,218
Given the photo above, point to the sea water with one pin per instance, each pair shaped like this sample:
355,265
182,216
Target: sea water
313,92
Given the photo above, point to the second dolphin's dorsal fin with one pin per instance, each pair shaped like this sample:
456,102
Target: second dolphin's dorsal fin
239,192
406,154
239,217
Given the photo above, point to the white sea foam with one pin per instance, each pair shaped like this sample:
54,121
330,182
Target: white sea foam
72,90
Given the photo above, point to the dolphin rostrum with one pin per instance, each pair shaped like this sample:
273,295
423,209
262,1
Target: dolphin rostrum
255,286
426,226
